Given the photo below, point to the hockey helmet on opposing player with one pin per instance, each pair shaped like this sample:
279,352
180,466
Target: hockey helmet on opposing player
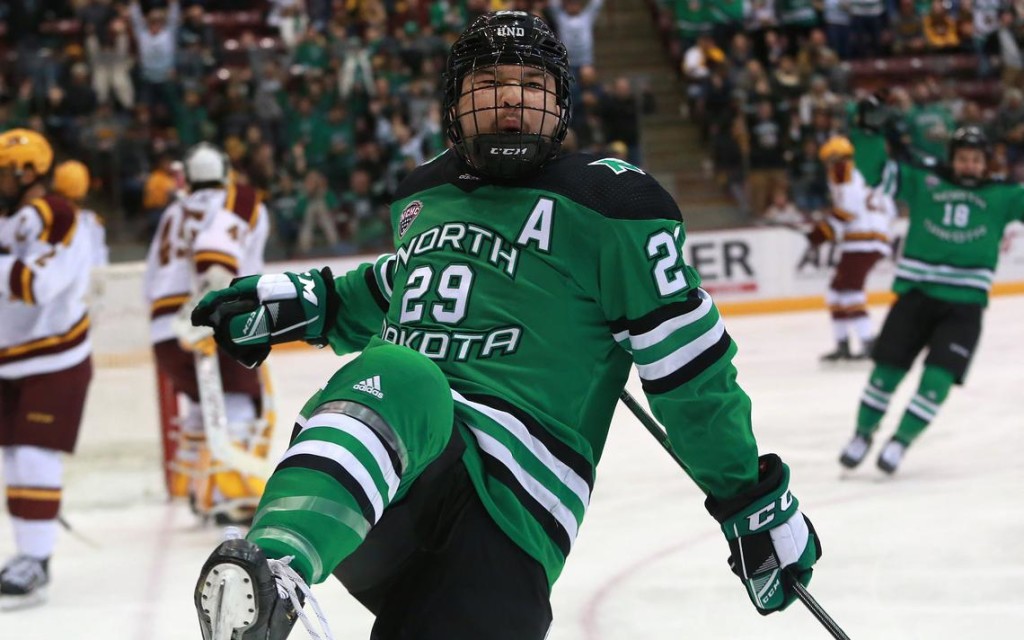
71,179
968,171
507,127
206,164
23,148
836,147
837,154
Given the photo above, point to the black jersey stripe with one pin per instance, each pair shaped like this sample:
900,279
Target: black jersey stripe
691,369
371,284
370,419
547,521
655,318
296,430
396,461
570,457
336,471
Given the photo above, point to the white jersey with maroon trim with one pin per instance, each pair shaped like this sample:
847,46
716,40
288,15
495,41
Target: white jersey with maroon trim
861,216
95,230
224,227
45,261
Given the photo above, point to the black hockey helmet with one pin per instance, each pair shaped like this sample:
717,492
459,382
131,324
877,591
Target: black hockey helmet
968,137
507,38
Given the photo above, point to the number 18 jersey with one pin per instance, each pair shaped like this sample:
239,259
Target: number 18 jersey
952,245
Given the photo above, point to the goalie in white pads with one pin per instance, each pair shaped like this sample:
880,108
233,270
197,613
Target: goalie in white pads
217,232
45,363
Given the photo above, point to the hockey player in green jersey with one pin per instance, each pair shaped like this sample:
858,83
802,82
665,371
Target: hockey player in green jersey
443,474
943,278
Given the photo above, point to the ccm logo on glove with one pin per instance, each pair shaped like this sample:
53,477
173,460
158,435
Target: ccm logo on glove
766,514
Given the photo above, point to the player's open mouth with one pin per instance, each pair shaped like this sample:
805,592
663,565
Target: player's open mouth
511,125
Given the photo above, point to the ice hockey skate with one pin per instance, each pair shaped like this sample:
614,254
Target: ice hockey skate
866,347
242,595
23,582
891,456
841,354
854,452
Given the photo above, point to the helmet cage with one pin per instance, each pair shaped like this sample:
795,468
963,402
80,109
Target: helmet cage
968,137
507,38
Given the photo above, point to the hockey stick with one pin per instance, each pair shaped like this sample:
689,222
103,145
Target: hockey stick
215,417
802,593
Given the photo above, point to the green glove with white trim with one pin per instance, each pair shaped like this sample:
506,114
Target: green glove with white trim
768,537
255,312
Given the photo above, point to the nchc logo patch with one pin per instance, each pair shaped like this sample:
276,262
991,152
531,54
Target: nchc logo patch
408,215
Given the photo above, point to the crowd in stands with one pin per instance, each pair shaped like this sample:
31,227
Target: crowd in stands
323,105
768,81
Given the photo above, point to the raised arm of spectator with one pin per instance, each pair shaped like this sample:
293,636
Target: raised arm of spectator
138,20
592,8
174,15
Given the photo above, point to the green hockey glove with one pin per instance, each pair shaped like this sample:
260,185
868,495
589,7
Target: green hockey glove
872,114
768,537
258,311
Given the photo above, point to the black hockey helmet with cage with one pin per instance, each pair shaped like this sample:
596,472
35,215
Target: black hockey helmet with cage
507,38
968,137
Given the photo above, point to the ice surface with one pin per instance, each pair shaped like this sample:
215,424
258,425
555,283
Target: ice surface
931,553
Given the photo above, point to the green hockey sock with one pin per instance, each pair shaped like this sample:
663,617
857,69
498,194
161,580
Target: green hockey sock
875,400
935,385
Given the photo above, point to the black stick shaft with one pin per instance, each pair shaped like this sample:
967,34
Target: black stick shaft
801,591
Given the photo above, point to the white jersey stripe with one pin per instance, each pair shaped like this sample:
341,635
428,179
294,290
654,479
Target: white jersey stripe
366,437
683,355
939,279
349,462
514,426
980,272
538,491
382,274
667,328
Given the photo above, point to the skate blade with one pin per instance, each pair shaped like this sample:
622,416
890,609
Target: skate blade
27,601
229,601
838,365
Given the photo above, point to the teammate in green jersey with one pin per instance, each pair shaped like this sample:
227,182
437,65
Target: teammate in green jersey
957,219
443,474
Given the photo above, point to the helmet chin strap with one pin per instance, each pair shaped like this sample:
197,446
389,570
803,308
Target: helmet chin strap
967,181
8,204
507,155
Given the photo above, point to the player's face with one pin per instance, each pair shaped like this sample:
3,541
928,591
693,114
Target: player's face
838,169
508,98
969,163
8,182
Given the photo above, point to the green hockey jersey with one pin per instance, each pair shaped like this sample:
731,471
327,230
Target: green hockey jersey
952,245
535,298
693,17
727,11
796,12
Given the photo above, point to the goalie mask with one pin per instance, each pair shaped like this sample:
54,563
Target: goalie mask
506,94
